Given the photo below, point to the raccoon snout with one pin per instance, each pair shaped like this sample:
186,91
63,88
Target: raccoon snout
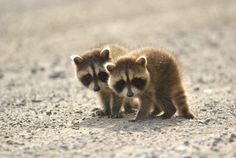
130,93
96,88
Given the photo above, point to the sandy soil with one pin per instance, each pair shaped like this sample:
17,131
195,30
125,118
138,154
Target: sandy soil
45,112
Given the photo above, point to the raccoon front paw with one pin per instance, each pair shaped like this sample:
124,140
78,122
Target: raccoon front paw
154,114
165,116
188,115
116,116
99,112
129,111
132,120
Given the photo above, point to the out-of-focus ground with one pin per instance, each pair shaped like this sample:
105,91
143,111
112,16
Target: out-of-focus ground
45,112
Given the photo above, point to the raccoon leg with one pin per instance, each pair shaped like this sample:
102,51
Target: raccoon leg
105,99
116,106
157,110
145,107
180,101
128,108
129,105
168,107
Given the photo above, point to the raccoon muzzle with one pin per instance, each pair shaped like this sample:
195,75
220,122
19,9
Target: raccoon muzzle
96,88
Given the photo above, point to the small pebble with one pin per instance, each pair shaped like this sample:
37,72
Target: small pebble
11,142
125,126
49,113
205,121
151,155
203,109
64,147
208,91
158,129
21,102
36,100
75,124
232,137
93,114
196,89
201,80
34,69
28,136
91,133
186,143
79,112
216,141
57,74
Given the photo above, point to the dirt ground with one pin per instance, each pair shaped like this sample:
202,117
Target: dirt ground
45,112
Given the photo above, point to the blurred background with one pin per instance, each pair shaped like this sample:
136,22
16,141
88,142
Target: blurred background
45,112
38,31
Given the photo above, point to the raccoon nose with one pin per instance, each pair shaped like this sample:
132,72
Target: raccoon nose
96,88
130,94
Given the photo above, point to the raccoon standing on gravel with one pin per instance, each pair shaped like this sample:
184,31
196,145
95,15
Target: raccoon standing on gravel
91,72
152,75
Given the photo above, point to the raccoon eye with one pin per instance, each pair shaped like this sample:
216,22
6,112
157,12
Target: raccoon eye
86,79
103,76
138,83
119,86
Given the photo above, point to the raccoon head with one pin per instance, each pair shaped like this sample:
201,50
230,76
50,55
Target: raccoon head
90,69
128,77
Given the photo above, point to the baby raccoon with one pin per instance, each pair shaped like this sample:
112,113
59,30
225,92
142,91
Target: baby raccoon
91,72
152,75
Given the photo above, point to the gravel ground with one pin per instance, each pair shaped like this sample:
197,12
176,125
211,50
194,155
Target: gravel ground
45,112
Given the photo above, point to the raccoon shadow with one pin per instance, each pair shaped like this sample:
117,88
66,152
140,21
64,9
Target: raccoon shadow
124,125
151,124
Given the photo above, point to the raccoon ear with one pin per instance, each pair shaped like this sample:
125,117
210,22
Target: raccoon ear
76,59
142,60
105,53
109,67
